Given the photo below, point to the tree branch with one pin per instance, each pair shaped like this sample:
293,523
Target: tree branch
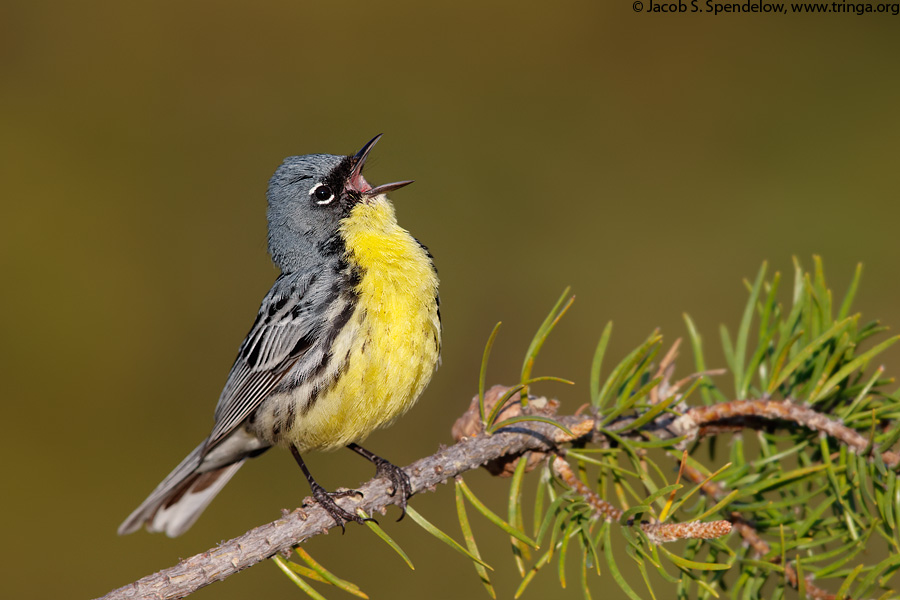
737,412
283,535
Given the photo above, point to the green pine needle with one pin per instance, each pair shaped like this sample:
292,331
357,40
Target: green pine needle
298,581
430,528
556,313
377,530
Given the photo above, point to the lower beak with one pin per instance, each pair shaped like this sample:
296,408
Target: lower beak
357,182
387,187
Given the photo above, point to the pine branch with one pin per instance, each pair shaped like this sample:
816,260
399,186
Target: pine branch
659,533
752,538
282,535
703,420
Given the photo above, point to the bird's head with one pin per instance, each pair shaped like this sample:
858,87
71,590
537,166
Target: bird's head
309,196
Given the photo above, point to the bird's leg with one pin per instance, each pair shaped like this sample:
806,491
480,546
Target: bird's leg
397,476
326,498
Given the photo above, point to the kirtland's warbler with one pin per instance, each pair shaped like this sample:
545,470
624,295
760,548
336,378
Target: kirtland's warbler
344,342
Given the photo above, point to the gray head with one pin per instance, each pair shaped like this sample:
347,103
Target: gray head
308,196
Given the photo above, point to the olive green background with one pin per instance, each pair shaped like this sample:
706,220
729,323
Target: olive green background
649,161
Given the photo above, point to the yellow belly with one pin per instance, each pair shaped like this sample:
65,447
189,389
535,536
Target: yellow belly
392,341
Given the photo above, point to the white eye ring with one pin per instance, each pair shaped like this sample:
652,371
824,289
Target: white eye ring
327,200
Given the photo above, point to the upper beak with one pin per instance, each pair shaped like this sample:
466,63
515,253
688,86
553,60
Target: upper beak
358,183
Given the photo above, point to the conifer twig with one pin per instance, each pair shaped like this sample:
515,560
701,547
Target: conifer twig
658,533
752,538
739,412
280,536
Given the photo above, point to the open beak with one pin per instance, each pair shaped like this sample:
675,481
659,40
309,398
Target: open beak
357,182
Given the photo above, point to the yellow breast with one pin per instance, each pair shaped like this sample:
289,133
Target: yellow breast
392,341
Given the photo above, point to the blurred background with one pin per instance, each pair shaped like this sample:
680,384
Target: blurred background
649,161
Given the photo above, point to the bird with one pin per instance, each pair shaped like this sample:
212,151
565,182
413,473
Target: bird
345,342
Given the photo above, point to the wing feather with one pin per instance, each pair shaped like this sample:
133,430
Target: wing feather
282,335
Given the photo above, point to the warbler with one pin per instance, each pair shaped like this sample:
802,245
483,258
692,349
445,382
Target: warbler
344,342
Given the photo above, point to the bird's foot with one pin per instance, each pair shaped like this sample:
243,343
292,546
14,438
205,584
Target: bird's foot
386,469
326,501
399,480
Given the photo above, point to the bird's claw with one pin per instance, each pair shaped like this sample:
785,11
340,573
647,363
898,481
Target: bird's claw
399,480
325,499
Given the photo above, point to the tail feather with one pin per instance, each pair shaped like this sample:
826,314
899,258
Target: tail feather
177,502
176,514
180,498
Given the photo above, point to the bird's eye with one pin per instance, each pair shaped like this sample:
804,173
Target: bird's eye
322,192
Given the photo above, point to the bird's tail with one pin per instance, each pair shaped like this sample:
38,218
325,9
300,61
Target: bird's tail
178,501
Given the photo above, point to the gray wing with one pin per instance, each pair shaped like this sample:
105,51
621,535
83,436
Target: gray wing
289,319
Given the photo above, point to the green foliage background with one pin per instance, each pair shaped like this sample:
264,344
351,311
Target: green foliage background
649,161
